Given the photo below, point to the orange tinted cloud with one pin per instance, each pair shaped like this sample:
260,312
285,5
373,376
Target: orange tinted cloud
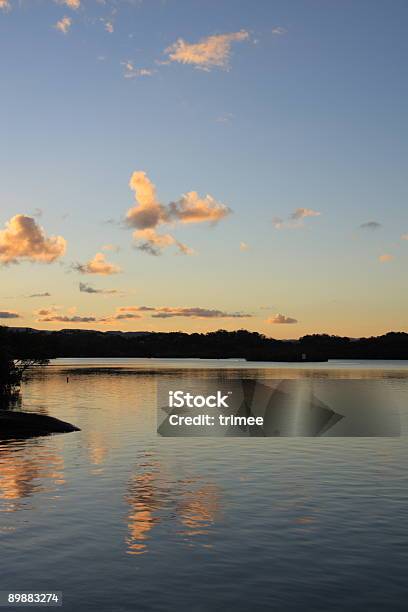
193,209
24,239
385,258
98,265
280,319
5,5
149,213
213,51
63,24
72,4
154,243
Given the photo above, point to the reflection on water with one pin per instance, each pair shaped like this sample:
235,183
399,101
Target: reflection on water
27,469
145,497
118,517
154,497
198,509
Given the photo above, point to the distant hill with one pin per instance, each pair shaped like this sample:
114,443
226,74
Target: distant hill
28,342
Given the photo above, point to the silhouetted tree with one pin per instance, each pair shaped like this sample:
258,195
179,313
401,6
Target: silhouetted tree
12,370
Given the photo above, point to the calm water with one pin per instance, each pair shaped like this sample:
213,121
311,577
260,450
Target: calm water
120,519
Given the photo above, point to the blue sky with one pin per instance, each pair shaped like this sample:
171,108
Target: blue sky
309,113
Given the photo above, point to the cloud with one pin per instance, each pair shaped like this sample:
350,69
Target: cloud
24,239
46,312
97,265
85,288
126,313
5,5
7,314
149,213
243,246
132,73
370,225
121,316
295,219
66,319
39,295
135,309
210,52
301,213
51,315
153,243
279,30
166,312
280,319
224,118
404,237
126,316
64,24
111,247
109,27
193,209
385,258
72,4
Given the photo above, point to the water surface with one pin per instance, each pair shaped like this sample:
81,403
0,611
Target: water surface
120,519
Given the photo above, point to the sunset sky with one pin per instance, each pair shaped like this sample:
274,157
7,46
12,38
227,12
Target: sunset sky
202,164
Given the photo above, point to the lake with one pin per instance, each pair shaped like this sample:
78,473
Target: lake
120,519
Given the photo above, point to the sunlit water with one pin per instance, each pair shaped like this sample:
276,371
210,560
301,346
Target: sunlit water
120,519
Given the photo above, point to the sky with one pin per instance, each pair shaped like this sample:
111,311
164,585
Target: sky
194,165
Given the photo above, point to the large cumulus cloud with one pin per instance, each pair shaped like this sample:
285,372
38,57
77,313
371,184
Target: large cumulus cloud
149,213
24,239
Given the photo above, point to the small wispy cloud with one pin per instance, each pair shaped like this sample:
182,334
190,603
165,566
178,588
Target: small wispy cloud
111,247
64,24
296,219
207,53
243,246
97,265
85,288
39,295
224,118
153,243
279,30
404,237
131,72
8,314
72,4
280,319
387,257
370,225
